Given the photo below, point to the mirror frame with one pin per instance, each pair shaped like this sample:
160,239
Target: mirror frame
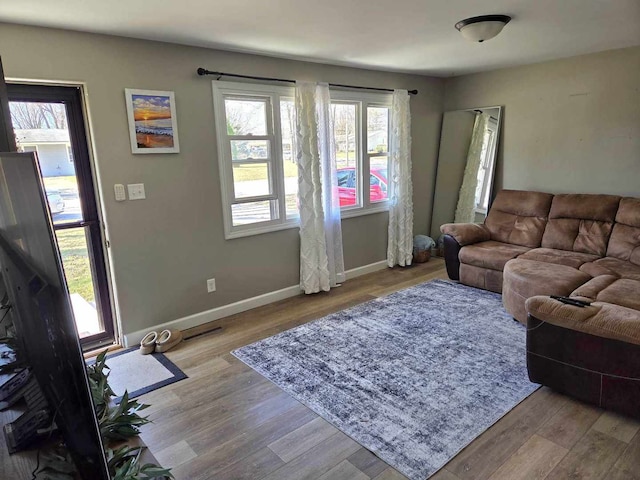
492,175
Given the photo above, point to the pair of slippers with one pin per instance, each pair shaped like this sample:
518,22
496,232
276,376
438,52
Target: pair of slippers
160,342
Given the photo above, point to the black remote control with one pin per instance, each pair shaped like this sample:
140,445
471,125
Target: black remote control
571,301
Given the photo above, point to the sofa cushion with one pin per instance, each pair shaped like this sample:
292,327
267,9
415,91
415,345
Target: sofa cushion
490,254
479,277
625,292
581,223
560,257
593,287
600,319
625,238
609,289
526,278
612,266
519,217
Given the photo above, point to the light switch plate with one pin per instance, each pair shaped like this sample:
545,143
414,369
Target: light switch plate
136,191
118,189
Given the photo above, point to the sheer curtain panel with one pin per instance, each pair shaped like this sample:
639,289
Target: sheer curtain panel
400,243
466,207
321,257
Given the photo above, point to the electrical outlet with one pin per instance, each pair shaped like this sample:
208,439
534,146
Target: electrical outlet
211,285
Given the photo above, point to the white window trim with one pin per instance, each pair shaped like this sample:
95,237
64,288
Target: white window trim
225,168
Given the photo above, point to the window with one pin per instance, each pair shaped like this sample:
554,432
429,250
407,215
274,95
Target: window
255,127
28,148
256,153
361,137
377,152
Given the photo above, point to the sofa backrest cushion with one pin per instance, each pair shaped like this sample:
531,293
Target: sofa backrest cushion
625,238
581,223
519,217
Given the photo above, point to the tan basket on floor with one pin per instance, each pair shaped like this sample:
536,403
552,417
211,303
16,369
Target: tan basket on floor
422,256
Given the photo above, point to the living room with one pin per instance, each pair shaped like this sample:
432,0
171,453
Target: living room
570,124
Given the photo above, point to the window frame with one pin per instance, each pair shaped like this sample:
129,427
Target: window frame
222,90
21,147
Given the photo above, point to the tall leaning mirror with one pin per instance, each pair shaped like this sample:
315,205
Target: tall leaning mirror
466,166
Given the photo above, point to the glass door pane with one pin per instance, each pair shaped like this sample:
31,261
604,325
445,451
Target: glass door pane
48,120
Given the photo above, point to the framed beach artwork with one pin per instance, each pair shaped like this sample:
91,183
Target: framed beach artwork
153,126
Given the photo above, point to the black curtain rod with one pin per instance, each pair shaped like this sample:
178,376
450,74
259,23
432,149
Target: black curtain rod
203,71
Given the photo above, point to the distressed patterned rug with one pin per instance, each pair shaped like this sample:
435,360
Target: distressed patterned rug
414,376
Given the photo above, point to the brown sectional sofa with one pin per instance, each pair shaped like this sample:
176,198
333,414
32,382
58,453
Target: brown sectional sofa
533,245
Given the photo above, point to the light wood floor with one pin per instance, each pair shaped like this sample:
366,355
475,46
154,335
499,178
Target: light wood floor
227,422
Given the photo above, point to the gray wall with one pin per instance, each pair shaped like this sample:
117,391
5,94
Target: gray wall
164,248
570,125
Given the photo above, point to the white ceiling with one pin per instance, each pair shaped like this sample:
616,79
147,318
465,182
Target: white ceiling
399,35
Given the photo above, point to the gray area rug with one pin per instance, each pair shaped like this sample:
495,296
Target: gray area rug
414,376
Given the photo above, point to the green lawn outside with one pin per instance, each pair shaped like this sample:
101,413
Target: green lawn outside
75,259
248,172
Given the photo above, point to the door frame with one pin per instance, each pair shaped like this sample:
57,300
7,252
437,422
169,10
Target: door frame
73,95
7,140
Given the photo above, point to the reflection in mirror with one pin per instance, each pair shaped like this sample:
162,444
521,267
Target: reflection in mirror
466,166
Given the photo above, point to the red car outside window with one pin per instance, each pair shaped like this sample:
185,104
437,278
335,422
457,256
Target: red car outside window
347,186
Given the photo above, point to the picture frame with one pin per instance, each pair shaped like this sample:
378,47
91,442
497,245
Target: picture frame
153,124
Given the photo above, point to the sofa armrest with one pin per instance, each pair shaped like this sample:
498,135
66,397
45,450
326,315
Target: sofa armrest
600,318
466,233
451,258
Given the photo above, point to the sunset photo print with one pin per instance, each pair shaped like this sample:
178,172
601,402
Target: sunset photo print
152,121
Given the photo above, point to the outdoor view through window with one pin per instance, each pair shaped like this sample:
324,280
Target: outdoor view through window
253,143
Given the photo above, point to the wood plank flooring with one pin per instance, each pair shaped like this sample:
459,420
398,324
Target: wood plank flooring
228,422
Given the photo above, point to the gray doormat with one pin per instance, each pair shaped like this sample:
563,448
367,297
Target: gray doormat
140,374
414,376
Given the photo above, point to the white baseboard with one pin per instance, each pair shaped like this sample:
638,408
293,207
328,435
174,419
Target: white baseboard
372,267
217,313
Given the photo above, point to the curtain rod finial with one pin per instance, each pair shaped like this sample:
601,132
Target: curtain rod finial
202,71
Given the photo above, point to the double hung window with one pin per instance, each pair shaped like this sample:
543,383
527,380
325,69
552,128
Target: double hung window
256,154
255,127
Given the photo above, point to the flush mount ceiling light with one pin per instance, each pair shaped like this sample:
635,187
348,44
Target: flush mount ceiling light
484,27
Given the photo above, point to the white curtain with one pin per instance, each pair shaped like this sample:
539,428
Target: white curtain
400,243
321,258
466,208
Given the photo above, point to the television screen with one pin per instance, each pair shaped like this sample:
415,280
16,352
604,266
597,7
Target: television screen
41,310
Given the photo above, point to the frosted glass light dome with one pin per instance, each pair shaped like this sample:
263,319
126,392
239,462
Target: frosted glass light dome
485,27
